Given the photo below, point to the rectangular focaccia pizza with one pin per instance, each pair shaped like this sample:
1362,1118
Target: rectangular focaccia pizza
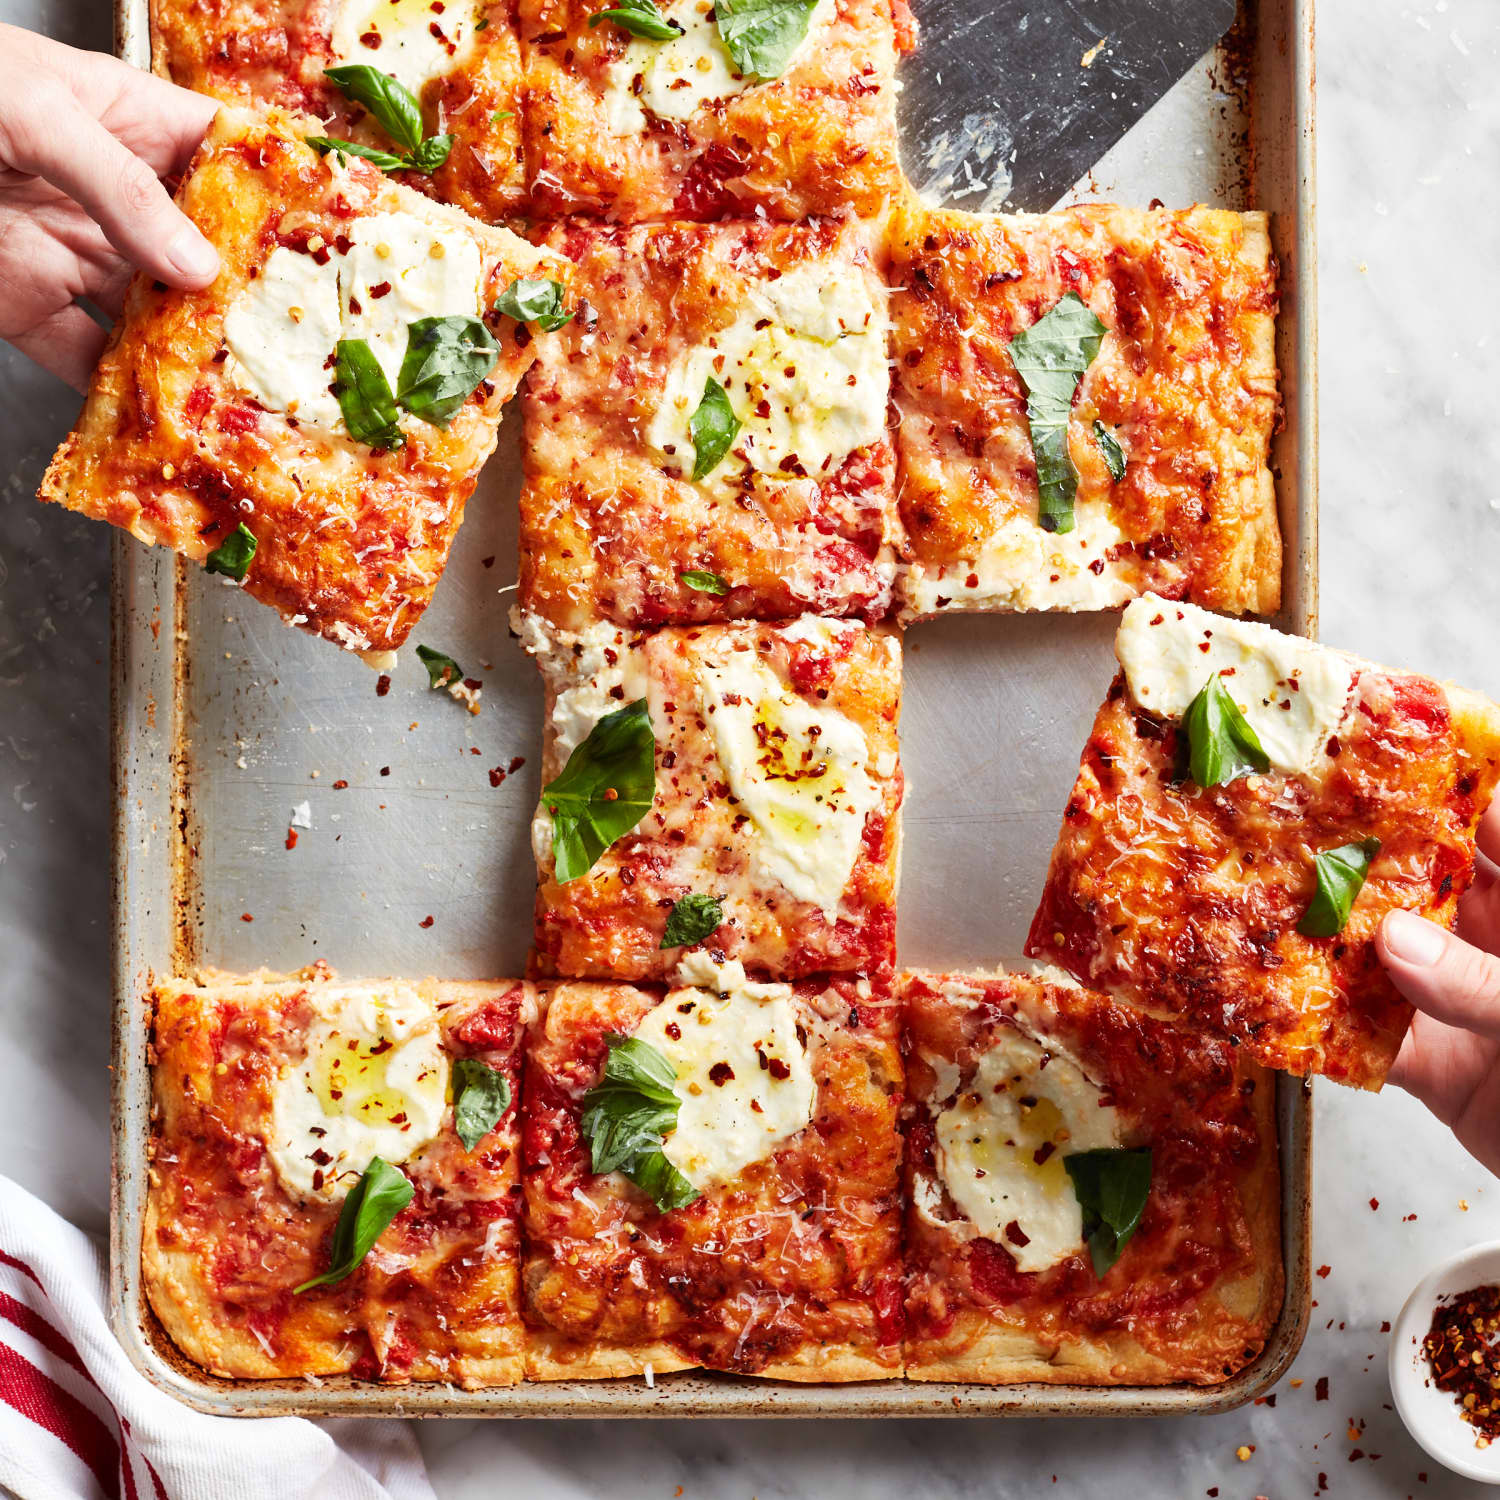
1041,1123
221,415
775,805
1248,808
766,1239
1085,401
722,116
273,1099
460,62
624,494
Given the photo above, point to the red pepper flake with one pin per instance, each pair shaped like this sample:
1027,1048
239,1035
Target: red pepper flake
341,785
517,761
1463,1349
385,770
1374,1204
426,922
720,1074
1409,1219
497,775
1323,1271
382,684
1320,1390
291,838
1322,1482
246,917
1385,1327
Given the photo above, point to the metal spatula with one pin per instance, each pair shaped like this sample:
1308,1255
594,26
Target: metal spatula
1007,103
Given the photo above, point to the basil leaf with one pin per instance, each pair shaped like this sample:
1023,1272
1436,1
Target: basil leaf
442,671
692,919
365,396
481,1094
1341,876
393,104
704,582
628,1114
233,556
639,18
1110,449
446,359
761,35
430,153
714,427
606,788
1221,745
379,1195
323,144
1111,1187
1050,357
534,299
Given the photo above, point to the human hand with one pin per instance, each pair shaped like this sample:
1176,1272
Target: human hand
84,143
1451,1057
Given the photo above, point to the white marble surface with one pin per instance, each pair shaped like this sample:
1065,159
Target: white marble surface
1410,142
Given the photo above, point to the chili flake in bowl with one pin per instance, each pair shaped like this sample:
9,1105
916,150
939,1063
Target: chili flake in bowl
1444,1363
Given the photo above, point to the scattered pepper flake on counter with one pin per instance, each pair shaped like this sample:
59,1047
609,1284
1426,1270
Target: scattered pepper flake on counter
291,838
1244,1451
382,684
1374,1204
1323,1272
341,785
246,917
1463,1349
1320,1391
426,921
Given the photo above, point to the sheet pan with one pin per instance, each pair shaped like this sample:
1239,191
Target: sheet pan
225,723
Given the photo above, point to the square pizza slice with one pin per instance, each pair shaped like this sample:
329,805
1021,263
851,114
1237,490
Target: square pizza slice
732,788
1086,401
283,1109
696,111
710,440
312,423
1248,808
1092,1196
712,1179
460,64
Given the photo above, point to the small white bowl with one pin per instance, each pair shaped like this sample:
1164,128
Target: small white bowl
1432,1416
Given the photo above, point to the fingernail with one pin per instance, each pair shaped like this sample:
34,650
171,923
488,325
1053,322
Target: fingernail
1413,939
192,255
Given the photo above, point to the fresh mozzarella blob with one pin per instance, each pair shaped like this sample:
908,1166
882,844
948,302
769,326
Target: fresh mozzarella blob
412,40
373,1082
280,331
1025,567
671,80
800,773
804,368
743,1080
1000,1147
1292,693
399,269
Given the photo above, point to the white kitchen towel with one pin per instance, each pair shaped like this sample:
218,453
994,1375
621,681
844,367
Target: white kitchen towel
77,1422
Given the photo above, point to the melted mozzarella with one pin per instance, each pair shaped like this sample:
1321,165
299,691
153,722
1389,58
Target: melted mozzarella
804,368
400,269
799,773
673,80
283,328
1292,693
1000,1147
412,40
1025,567
743,1080
281,331
372,1082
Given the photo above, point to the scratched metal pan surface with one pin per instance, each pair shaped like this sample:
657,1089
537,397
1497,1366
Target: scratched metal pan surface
412,863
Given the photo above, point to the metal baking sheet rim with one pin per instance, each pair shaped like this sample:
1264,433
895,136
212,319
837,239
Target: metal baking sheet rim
146,600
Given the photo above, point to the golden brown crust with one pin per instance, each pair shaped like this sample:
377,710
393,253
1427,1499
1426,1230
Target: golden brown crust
250,52
790,1271
1198,1287
224,1243
819,139
351,542
1186,378
606,528
611,921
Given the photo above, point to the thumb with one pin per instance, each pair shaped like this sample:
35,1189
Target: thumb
1440,974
